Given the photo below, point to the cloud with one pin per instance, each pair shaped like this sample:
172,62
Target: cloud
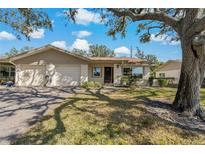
37,34
81,34
84,17
6,36
164,39
80,44
60,44
122,51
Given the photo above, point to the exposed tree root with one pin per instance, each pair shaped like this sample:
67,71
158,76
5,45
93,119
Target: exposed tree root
201,114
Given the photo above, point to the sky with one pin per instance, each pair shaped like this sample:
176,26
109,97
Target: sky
88,30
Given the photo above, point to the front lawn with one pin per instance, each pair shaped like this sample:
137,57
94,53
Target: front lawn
125,116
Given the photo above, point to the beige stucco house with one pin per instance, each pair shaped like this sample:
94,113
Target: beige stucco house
170,69
52,66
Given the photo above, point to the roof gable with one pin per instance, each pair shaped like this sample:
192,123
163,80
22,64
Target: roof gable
170,65
43,49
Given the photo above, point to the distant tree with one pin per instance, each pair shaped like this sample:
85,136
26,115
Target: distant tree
80,52
100,51
14,51
26,48
152,60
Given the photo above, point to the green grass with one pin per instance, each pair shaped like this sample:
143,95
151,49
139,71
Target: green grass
110,118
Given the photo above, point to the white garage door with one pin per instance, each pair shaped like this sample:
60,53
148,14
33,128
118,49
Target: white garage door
28,75
65,75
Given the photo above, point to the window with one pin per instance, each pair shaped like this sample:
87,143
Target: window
96,71
127,71
134,71
12,73
4,71
162,75
7,71
137,72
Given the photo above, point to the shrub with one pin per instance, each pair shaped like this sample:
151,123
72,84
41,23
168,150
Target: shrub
125,80
130,80
163,82
91,85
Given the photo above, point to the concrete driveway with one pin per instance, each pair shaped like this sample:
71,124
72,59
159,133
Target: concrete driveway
20,108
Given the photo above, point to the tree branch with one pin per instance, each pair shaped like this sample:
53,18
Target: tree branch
199,26
158,16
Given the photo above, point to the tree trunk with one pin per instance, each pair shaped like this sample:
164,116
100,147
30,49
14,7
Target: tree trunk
187,99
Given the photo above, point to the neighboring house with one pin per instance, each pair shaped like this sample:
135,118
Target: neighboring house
170,69
52,66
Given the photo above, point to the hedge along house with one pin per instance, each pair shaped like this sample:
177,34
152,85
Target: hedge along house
52,66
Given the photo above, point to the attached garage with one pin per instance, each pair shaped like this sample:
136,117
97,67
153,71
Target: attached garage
30,75
65,75
50,66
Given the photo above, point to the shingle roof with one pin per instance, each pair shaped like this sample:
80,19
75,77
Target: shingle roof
178,61
3,59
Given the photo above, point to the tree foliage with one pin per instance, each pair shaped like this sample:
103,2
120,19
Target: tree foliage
24,20
95,51
165,21
151,59
100,51
14,51
80,52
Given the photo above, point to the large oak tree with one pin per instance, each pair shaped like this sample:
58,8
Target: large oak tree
186,25
24,21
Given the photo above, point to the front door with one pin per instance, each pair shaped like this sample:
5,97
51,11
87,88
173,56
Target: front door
108,75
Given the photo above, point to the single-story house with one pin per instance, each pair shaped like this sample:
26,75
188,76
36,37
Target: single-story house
170,69
53,66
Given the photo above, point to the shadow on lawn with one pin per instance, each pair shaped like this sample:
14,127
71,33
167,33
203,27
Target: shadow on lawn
120,116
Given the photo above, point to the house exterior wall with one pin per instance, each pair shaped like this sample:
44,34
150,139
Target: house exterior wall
52,68
171,69
29,75
170,74
97,79
117,74
63,69
146,72
83,73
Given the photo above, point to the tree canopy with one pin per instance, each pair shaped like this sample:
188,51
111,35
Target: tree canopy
25,20
14,51
80,52
95,51
151,59
100,51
